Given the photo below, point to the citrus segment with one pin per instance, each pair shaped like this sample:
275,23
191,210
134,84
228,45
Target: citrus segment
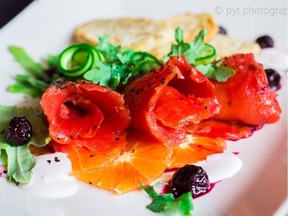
142,162
194,150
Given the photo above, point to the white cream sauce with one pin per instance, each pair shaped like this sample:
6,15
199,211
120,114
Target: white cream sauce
221,166
217,166
273,58
51,177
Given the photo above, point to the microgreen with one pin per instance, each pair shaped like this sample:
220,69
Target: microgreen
200,55
106,64
166,203
118,65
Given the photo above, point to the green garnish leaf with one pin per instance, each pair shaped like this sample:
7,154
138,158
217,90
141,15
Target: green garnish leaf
222,73
200,55
29,85
26,89
19,160
51,61
34,68
108,50
166,203
36,80
196,51
100,75
111,66
218,73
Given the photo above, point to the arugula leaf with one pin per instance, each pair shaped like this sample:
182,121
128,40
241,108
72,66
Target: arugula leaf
168,204
200,55
52,61
37,79
24,88
34,68
19,160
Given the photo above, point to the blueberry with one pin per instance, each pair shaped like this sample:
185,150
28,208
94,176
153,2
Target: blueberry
265,41
19,131
273,78
222,30
190,178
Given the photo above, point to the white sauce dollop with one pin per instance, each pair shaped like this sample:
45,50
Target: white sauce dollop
273,58
217,166
51,177
220,166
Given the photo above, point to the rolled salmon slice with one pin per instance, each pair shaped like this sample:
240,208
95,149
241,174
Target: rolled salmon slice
163,101
86,114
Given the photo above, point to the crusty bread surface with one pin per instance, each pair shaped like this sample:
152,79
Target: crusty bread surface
227,45
157,36
143,34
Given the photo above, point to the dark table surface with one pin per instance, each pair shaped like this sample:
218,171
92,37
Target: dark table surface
10,8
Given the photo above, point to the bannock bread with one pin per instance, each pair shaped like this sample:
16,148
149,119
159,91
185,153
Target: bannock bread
191,25
156,36
139,34
226,46
146,34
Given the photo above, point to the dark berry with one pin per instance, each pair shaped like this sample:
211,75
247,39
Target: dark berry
222,30
190,178
273,78
265,41
19,131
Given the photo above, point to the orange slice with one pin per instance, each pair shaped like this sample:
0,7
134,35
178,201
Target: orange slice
194,150
143,161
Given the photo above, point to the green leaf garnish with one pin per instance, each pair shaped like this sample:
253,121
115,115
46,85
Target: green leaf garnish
105,64
166,203
19,160
36,80
200,55
34,68
213,71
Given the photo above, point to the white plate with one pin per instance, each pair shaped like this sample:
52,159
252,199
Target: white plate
260,187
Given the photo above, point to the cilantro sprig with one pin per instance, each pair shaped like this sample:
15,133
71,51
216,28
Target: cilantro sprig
200,55
166,203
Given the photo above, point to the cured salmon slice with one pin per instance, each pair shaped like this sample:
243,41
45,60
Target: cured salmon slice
246,97
163,101
229,130
246,100
86,114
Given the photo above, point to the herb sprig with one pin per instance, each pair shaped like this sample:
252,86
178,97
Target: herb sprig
166,203
200,55
106,64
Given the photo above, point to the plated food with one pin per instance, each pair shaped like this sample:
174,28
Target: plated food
115,132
